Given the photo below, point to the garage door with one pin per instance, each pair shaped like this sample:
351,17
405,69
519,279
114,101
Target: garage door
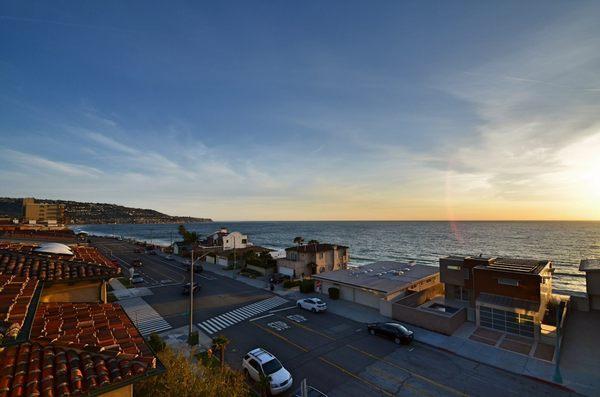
346,294
222,261
506,321
366,298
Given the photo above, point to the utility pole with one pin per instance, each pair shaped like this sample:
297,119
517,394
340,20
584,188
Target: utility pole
192,294
234,258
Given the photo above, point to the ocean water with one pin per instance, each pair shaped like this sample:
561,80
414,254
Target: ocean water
565,243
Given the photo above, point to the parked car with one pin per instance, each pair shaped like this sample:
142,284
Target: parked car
186,289
395,331
312,304
259,361
197,268
136,263
277,278
137,278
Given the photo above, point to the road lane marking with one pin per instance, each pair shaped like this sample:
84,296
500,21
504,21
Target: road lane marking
353,375
280,337
258,318
280,310
416,375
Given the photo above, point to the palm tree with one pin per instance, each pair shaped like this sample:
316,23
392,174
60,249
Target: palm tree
220,343
311,242
264,384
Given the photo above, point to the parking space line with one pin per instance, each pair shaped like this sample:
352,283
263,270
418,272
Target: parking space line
309,329
353,375
280,337
421,377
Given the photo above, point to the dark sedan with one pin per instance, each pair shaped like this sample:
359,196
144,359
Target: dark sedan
395,331
186,289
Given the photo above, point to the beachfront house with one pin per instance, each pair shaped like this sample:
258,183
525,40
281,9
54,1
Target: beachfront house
505,294
226,240
309,259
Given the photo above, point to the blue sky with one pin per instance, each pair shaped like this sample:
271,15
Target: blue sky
305,110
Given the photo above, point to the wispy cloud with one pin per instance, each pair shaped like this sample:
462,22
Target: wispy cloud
41,164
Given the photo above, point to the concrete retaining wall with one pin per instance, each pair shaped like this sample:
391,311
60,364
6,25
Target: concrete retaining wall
407,310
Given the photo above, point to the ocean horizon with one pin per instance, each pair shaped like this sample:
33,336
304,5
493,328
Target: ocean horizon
563,242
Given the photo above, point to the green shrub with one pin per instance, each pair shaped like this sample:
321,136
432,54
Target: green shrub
307,286
193,338
291,283
334,293
156,342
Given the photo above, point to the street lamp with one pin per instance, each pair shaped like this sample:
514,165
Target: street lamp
192,289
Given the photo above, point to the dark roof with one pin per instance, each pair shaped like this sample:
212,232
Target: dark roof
315,247
588,265
74,349
51,267
515,265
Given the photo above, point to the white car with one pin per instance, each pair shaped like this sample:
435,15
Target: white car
259,361
312,304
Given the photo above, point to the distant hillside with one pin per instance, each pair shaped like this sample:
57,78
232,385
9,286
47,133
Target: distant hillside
97,213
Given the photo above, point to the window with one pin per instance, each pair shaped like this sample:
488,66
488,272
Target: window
461,293
453,267
244,241
508,281
254,364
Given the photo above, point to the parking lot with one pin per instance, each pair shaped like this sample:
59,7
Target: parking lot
336,355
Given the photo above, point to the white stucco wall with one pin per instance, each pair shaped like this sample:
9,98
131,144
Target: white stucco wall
234,240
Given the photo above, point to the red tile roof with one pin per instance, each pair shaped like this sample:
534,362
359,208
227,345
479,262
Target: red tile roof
16,295
101,327
74,348
37,369
24,263
81,253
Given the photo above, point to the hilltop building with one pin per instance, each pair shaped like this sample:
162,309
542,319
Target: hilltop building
51,214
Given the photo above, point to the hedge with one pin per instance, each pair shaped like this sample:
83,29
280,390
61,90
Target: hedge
307,286
334,293
291,283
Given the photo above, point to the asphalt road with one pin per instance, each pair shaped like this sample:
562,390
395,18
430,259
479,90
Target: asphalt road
336,355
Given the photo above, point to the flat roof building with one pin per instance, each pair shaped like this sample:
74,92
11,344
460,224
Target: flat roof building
370,284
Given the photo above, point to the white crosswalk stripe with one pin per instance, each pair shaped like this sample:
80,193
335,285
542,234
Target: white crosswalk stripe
225,320
145,318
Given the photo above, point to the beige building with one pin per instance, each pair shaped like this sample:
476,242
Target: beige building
309,259
42,212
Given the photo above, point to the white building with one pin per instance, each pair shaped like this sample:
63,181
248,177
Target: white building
235,240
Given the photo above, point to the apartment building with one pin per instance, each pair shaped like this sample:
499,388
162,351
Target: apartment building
505,294
309,259
42,212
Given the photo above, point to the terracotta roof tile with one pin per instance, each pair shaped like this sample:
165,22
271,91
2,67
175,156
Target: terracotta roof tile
73,350
26,263
16,294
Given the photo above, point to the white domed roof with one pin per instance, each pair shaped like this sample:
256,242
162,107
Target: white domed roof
54,248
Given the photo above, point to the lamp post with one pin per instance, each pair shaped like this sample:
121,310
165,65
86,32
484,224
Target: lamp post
192,289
